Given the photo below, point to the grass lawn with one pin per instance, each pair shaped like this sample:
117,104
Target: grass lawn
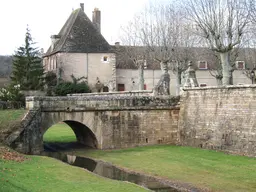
202,168
60,132
47,174
9,117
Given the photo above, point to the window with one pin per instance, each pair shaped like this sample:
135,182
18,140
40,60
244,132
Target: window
105,89
240,65
105,58
120,87
202,85
145,87
202,65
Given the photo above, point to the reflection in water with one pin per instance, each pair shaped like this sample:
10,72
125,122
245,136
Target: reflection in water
107,170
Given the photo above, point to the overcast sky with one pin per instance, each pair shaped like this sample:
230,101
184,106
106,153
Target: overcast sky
46,17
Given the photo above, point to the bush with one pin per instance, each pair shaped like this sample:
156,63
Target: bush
50,82
65,88
11,96
50,79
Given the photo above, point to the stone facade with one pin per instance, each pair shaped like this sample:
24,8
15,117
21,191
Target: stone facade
152,77
89,65
221,118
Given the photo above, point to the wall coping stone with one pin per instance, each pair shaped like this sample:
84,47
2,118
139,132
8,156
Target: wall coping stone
99,102
127,93
220,87
97,98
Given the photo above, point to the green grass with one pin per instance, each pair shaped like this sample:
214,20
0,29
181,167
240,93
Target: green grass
202,168
47,174
9,117
60,132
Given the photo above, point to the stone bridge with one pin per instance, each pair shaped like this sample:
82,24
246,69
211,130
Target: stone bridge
100,121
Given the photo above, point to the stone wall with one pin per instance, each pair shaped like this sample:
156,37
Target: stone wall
222,118
118,129
137,128
27,138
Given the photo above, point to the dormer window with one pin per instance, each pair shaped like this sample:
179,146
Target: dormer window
240,65
202,65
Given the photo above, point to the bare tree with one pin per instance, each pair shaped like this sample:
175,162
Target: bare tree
222,23
168,36
216,69
249,58
133,52
162,33
182,52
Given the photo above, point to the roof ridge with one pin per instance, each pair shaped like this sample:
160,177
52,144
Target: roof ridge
70,28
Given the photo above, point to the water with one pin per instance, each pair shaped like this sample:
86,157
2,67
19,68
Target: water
109,171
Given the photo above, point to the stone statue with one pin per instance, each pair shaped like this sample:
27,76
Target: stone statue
190,77
111,86
163,85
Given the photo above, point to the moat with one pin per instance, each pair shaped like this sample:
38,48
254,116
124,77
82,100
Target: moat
64,153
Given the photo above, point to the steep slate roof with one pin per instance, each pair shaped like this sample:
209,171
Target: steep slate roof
124,62
196,54
78,35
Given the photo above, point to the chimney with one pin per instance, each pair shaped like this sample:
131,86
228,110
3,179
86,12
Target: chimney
82,6
117,44
54,39
96,18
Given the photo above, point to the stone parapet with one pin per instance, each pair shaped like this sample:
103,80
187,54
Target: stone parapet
101,102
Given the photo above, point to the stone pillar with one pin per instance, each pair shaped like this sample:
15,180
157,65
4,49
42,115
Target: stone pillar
190,77
112,82
141,75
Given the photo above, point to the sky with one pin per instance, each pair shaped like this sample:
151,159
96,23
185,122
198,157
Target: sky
46,17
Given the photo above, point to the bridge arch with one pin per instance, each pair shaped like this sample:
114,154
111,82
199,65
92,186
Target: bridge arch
78,123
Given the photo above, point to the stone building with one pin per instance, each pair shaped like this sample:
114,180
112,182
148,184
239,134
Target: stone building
81,50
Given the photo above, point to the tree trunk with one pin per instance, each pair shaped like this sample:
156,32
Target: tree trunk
230,77
141,77
219,81
178,82
226,69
